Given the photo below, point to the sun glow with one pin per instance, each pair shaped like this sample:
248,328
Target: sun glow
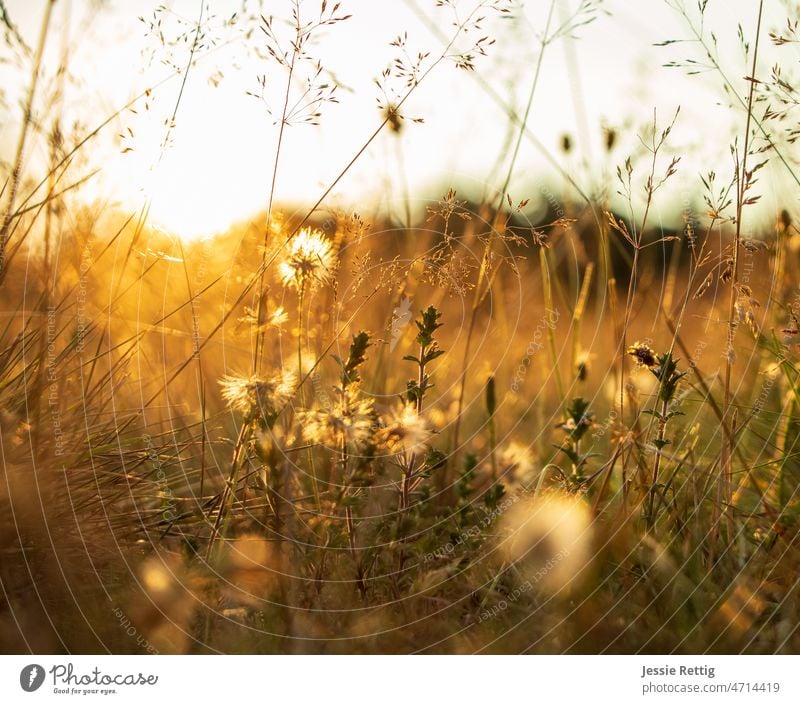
213,166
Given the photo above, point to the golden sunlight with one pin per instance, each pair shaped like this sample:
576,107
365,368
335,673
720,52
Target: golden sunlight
424,326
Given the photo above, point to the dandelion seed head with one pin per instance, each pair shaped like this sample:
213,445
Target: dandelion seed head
405,431
519,460
157,578
250,395
309,259
549,539
351,417
278,317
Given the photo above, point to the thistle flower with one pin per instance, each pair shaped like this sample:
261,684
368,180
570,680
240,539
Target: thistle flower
643,355
309,259
253,395
406,431
351,417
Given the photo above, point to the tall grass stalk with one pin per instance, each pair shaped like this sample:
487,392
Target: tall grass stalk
27,121
480,286
742,183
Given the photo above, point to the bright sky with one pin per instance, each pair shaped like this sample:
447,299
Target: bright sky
218,167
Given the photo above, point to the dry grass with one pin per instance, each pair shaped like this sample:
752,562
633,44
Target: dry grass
476,432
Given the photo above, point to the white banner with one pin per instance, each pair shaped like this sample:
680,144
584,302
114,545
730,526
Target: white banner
401,679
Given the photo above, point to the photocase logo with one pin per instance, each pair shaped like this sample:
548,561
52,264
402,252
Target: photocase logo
31,677
401,317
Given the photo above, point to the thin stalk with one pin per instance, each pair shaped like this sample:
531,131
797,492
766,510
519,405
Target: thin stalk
662,429
482,272
726,478
19,154
493,447
257,352
300,322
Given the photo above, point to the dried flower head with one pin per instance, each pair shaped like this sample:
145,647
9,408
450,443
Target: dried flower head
549,540
278,317
351,418
309,259
643,355
405,431
519,461
255,395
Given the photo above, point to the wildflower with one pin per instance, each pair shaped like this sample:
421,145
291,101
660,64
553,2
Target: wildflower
251,395
518,459
352,417
405,431
278,317
549,540
643,355
310,259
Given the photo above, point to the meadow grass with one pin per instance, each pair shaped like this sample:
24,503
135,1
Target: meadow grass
480,430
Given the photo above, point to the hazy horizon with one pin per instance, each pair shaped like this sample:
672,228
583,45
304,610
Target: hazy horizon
212,174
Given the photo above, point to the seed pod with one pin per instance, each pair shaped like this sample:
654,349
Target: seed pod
491,403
